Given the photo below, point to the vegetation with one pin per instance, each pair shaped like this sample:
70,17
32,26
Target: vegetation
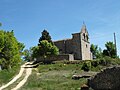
85,67
10,49
45,47
96,52
55,77
45,36
58,76
110,50
7,75
0,24
27,55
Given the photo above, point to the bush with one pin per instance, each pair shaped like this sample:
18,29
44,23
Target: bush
105,61
94,63
85,67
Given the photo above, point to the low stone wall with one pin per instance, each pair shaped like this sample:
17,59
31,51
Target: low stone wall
108,79
69,57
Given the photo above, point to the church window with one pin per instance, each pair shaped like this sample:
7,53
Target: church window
84,35
87,37
86,46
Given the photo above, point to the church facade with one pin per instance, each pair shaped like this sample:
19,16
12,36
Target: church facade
78,45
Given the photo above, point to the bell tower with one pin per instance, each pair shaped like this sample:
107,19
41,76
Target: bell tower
85,44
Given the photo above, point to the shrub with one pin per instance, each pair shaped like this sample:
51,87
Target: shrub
105,61
94,63
85,67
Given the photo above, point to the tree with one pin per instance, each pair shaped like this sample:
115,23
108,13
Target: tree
46,49
31,54
0,24
110,50
34,52
96,52
21,46
45,36
9,50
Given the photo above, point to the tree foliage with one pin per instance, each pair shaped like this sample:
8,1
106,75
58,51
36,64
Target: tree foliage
27,55
110,50
0,24
96,52
34,52
45,36
45,46
30,54
46,49
9,49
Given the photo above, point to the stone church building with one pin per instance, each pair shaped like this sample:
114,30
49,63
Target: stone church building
78,45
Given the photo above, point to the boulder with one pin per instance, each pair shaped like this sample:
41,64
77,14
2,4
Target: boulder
84,87
108,79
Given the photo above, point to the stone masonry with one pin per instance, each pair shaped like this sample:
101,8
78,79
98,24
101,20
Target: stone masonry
78,45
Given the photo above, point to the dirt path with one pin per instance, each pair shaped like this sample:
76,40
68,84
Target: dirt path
28,72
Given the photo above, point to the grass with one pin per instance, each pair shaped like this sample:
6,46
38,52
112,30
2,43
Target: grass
13,85
50,81
7,75
55,77
58,76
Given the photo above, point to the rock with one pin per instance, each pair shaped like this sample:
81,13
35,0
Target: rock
108,79
84,87
77,77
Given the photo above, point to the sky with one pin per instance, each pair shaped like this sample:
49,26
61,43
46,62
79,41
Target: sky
61,18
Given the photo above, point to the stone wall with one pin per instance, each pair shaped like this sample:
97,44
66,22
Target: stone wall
69,57
60,44
108,79
76,42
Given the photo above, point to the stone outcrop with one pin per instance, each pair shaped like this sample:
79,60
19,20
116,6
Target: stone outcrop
108,79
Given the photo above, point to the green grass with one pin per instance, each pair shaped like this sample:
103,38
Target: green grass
55,77
58,76
13,85
7,75
50,81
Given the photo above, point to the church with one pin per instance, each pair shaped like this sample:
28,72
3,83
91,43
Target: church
78,45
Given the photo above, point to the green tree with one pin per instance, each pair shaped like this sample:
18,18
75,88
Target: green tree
110,50
45,36
47,49
27,55
9,49
96,52
31,54
0,24
34,52
21,46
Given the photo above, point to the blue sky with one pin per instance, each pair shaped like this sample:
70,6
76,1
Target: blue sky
61,18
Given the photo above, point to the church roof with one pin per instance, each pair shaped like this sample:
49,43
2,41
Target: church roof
63,40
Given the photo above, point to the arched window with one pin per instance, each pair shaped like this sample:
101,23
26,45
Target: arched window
86,46
84,35
87,38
